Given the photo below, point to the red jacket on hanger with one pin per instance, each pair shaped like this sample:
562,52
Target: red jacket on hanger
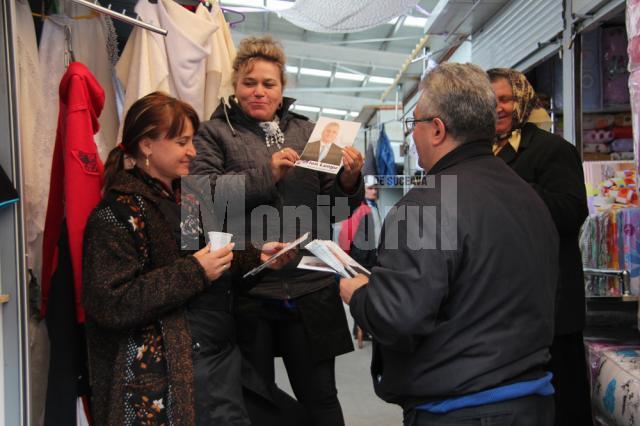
76,175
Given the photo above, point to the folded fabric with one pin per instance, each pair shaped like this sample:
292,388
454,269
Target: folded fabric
597,136
622,156
591,122
622,120
597,148
622,132
617,385
622,145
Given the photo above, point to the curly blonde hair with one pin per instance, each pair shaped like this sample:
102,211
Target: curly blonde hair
264,48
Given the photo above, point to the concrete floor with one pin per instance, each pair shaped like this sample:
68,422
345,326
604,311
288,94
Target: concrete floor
360,405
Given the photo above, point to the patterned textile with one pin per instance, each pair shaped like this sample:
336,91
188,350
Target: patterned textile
630,236
615,372
146,363
611,239
144,405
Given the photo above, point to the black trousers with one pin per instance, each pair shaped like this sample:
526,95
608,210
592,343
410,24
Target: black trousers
275,330
529,411
68,376
569,367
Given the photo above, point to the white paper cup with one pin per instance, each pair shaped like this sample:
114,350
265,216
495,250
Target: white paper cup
219,239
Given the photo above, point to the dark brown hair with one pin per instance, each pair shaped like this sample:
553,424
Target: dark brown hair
254,48
154,116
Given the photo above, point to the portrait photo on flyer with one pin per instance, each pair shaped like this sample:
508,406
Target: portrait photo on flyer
323,151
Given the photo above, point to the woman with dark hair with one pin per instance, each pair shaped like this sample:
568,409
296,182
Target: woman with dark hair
152,308
247,152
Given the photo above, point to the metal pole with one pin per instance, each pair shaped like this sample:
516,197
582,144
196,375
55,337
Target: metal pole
122,17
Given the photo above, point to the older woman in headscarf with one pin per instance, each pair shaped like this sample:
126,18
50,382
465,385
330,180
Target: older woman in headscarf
553,168
247,151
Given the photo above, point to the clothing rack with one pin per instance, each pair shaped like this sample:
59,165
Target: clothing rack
622,275
121,16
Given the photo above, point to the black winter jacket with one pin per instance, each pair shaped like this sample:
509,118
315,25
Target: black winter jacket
477,311
552,166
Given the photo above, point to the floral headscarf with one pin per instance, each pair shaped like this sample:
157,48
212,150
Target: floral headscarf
525,99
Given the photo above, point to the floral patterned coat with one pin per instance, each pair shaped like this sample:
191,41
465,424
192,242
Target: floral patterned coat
136,286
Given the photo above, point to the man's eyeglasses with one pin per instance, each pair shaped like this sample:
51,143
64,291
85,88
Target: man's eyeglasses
409,123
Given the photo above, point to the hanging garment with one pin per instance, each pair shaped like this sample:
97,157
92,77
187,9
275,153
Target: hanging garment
175,64
385,159
219,63
8,193
345,16
28,91
370,168
68,373
94,44
76,175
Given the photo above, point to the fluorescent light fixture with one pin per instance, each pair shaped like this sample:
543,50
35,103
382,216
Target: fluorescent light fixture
279,4
411,21
380,80
349,76
414,21
354,114
315,72
334,111
291,69
307,108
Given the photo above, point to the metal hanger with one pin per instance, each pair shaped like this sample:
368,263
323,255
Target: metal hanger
242,17
121,16
69,56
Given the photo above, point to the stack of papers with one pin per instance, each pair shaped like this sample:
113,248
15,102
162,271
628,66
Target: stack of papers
331,258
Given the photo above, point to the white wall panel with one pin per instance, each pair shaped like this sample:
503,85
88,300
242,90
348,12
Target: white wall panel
520,29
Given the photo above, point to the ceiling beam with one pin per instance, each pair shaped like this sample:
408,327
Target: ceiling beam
384,46
344,55
333,75
327,100
338,89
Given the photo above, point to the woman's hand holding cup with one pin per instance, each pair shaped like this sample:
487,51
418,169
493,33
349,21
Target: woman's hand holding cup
215,262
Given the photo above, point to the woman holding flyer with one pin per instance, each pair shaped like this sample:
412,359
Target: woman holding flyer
159,326
248,151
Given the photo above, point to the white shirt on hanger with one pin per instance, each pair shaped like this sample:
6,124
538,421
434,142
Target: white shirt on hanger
175,64
219,62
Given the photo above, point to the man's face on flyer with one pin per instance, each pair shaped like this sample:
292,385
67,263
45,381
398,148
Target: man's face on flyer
330,133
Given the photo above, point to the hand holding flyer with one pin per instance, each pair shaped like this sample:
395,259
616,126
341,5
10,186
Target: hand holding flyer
273,258
323,151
